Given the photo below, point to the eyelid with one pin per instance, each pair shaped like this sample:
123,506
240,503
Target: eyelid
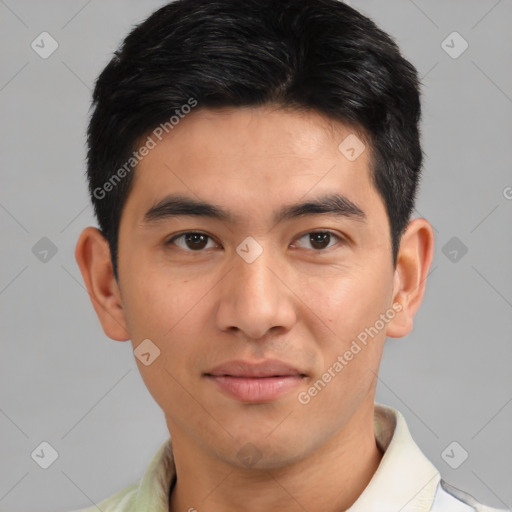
320,230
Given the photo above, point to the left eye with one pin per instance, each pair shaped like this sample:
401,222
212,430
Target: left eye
319,239
193,241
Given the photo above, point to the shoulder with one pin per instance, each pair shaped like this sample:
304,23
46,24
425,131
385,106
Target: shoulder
121,501
450,499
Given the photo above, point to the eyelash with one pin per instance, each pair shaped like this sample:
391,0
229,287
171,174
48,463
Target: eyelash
180,235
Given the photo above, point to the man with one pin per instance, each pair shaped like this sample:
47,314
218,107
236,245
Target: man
253,168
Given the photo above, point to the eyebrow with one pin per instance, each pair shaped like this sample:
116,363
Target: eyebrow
177,205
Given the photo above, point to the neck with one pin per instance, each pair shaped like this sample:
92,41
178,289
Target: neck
329,479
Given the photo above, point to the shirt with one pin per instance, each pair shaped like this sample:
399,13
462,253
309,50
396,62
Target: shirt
405,480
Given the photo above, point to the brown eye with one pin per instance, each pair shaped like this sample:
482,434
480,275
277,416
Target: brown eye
191,241
319,240
196,241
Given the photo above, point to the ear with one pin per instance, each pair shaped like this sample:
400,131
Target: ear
413,263
92,254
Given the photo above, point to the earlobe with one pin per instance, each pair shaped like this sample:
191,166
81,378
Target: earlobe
92,254
413,264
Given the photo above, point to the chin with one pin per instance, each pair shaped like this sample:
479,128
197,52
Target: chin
261,452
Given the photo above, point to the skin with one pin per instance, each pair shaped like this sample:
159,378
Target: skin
295,302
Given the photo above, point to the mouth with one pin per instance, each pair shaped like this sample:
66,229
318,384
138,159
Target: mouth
255,382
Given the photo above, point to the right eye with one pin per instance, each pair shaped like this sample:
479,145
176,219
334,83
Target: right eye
192,241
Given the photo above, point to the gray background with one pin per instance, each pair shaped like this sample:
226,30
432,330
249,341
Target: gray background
63,381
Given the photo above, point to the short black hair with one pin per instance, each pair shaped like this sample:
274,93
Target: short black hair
308,54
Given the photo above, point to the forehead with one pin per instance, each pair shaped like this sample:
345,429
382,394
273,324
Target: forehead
245,132
254,158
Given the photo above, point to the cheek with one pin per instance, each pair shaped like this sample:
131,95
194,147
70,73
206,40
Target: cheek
351,305
175,315
348,301
352,350
154,304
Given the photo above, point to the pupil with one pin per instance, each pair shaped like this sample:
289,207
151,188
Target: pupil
319,240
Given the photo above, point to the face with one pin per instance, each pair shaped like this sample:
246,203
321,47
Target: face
252,279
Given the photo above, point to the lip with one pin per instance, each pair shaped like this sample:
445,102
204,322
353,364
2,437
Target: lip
255,382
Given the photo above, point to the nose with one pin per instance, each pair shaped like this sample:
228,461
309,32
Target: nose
255,298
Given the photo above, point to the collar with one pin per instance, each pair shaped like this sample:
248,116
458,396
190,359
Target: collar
405,481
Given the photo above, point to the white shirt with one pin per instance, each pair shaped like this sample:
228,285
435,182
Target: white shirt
405,480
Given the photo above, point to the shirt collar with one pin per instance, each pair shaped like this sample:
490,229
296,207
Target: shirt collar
405,481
